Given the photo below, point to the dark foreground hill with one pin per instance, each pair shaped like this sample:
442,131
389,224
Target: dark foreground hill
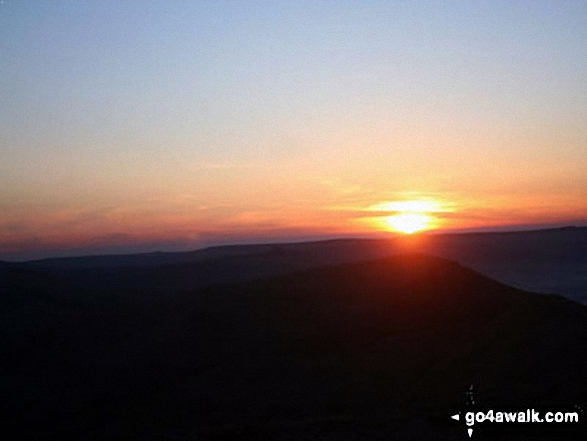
374,350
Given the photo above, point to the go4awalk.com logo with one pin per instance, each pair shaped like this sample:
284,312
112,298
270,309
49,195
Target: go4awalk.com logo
490,420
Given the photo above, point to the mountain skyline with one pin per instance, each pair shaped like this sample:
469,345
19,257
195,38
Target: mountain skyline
549,261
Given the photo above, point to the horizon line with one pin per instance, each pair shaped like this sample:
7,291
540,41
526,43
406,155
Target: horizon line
144,249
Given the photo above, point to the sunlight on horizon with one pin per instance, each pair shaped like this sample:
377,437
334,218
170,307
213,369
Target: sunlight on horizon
231,122
408,223
409,216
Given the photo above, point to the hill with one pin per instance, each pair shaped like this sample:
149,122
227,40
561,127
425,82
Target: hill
550,261
379,350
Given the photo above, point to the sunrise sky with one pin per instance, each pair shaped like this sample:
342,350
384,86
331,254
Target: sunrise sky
142,125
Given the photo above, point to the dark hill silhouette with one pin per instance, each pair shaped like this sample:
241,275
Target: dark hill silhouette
372,350
550,261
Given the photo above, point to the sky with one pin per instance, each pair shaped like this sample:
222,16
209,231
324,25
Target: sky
143,125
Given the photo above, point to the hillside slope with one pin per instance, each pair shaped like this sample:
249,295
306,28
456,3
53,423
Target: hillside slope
377,349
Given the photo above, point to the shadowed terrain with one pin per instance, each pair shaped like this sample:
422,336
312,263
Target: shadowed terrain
381,349
547,261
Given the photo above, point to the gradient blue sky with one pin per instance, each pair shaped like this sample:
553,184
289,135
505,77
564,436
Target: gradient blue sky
153,123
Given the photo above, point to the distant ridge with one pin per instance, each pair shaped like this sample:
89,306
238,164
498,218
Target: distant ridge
252,247
547,261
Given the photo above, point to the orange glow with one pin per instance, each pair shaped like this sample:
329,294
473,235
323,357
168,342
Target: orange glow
414,206
172,219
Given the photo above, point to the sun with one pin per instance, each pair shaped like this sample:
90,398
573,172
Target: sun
408,216
408,223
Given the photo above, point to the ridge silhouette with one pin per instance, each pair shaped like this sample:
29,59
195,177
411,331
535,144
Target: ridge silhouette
378,348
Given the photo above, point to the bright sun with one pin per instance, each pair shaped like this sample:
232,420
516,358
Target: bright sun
410,216
408,223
